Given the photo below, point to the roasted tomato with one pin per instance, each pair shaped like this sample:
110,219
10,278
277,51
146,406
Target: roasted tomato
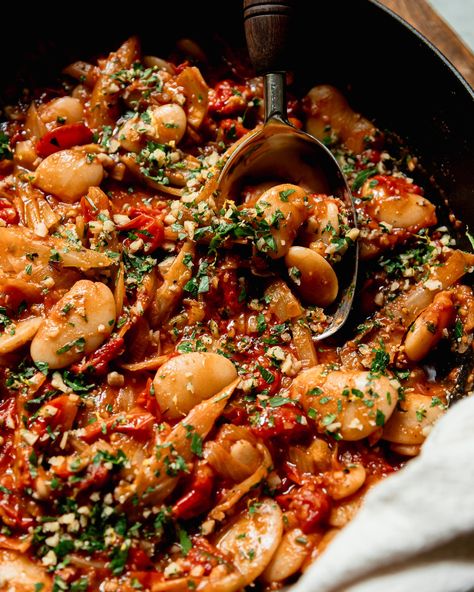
65,136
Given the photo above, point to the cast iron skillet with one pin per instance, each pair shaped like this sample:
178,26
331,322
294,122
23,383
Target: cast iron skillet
386,69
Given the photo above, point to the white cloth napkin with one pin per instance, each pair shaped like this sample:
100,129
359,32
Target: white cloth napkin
415,531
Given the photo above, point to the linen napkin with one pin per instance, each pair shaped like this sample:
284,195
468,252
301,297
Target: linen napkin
415,530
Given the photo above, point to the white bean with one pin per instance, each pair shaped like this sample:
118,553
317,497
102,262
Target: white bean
166,123
184,381
196,91
169,123
330,108
156,62
288,558
321,454
314,277
284,208
68,109
412,421
393,203
324,223
130,134
428,328
76,325
68,174
341,484
23,333
350,403
251,541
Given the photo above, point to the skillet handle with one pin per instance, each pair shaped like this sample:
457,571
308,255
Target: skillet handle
267,30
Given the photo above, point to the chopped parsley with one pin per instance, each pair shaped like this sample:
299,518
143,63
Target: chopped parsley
420,414
362,177
118,558
5,150
279,401
77,382
118,460
379,418
284,195
261,323
329,419
184,541
5,320
78,344
458,329
470,238
266,374
43,367
380,362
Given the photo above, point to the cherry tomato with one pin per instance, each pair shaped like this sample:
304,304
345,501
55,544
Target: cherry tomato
13,511
286,421
99,360
7,212
198,498
146,225
310,503
396,185
136,423
228,98
65,136
147,400
231,130
92,206
139,560
66,410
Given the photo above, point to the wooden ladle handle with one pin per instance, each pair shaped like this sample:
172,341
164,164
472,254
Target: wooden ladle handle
267,30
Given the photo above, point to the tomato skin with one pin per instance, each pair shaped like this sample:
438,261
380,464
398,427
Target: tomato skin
91,206
136,423
138,560
13,511
63,418
199,496
147,400
99,360
310,503
235,414
8,417
396,185
96,475
65,136
182,66
232,130
296,122
147,226
7,212
284,421
228,98
224,298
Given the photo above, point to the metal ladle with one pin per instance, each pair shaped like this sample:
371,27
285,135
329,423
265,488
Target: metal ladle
282,153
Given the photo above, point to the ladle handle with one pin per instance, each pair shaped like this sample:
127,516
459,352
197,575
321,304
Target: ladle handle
267,30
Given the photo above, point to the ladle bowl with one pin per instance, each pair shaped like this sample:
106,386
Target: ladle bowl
281,153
